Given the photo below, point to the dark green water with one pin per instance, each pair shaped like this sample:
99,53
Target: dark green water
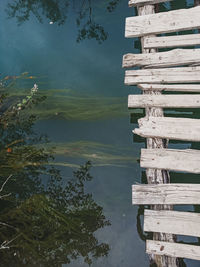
85,117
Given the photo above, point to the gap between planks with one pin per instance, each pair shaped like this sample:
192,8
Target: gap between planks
170,87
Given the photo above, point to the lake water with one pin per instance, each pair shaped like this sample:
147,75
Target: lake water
85,117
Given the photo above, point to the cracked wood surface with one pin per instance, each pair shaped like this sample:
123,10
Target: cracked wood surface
170,194
163,22
173,249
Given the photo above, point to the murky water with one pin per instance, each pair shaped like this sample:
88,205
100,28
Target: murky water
52,220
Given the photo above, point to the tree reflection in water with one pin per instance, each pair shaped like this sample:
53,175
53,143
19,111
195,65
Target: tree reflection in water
57,12
47,222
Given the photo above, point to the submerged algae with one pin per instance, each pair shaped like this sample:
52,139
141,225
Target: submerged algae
100,154
69,105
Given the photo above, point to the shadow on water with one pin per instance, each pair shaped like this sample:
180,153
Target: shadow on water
44,219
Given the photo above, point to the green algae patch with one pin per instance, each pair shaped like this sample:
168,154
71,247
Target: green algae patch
99,154
69,105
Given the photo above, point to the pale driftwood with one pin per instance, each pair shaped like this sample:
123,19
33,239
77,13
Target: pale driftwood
170,87
166,194
172,41
165,101
145,2
173,249
169,128
173,222
164,22
168,75
186,160
175,57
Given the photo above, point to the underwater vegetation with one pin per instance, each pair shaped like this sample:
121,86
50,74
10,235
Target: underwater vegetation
68,105
99,154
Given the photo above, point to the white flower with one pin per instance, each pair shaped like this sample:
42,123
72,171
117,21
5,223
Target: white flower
51,22
35,88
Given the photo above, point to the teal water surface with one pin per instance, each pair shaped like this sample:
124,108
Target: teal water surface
85,117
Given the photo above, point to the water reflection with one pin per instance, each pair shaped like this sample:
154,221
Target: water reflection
57,12
44,219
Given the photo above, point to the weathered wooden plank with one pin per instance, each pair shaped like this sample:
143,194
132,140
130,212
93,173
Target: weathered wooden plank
172,41
169,128
145,2
165,101
172,222
166,194
163,22
173,249
167,75
186,160
170,87
175,57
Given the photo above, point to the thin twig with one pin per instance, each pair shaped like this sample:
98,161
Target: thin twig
2,187
5,243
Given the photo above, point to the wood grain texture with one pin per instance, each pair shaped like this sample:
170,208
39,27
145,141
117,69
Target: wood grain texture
173,249
172,41
145,2
166,75
166,194
186,160
175,57
173,222
163,22
170,87
164,101
169,128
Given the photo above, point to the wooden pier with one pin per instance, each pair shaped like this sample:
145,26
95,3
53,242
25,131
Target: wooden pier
176,69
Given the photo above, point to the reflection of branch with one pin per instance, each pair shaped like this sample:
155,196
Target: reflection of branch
2,187
5,243
5,224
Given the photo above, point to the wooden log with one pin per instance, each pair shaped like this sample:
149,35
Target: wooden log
173,222
168,75
172,41
166,194
175,57
165,101
164,22
170,87
145,2
169,128
173,249
186,160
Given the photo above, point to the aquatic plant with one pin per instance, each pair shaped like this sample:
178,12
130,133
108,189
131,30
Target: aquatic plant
69,105
100,154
